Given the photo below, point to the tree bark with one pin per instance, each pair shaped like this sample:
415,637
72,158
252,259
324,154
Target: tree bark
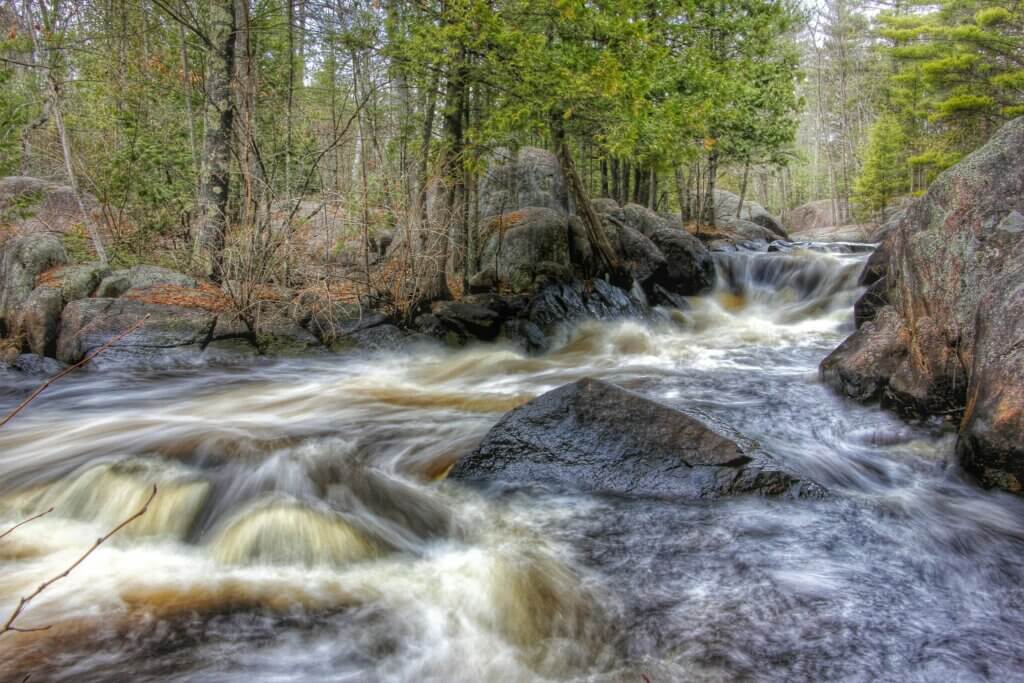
215,180
743,188
591,223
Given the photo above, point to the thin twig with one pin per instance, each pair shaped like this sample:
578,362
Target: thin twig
30,519
68,370
23,602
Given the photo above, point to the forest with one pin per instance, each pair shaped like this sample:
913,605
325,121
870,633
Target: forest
213,134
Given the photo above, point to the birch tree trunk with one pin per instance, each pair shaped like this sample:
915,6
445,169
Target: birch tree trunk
215,179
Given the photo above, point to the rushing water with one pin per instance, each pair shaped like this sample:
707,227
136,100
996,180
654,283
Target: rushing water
303,531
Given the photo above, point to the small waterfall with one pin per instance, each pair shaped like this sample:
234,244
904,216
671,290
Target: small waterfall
793,281
106,493
287,532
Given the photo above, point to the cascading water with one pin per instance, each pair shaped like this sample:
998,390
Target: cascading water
303,530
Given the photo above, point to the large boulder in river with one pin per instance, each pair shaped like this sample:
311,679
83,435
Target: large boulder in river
520,241
595,437
514,181
22,259
942,333
637,254
820,213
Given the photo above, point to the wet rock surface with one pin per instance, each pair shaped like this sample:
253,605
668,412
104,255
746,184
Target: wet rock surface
941,324
595,437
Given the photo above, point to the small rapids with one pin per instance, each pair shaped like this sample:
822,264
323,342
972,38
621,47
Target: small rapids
303,529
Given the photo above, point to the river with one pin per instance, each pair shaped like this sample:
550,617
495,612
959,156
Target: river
303,530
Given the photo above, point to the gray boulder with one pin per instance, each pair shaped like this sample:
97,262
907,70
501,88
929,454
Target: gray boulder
741,229
604,205
531,177
595,437
517,242
170,332
22,259
941,335
858,232
38,320
79,281
638,255
727,203
641,219
141,277
820,213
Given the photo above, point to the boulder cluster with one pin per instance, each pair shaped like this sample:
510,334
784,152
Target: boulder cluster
536,268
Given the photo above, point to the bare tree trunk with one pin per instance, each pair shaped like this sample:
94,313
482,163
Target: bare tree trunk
186,87
616,190
215,181
53,97
592,224
743,188
652,189
709,199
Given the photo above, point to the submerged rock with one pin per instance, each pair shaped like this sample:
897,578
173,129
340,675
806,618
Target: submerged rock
942,323
595,437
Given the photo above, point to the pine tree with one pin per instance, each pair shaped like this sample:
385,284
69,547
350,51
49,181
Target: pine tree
885,173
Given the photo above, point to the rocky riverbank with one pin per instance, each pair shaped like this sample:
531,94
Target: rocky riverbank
535,273
940,329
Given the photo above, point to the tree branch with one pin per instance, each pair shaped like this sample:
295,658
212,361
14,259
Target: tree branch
23,602
68,370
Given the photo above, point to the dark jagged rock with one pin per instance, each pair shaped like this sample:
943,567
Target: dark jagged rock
595,437
526,335
572,301
472,320
689,268
941,332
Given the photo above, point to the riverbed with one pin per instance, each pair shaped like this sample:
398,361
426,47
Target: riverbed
303,529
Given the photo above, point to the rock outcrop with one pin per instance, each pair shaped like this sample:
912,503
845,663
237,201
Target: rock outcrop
595,437
942,323
37,205
22,259
530,177
521,242
141,277
727,204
